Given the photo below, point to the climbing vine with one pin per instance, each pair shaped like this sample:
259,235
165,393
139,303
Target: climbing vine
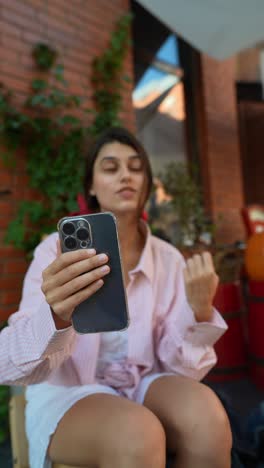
52,129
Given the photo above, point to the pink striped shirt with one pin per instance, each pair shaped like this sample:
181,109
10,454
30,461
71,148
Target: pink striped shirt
163,335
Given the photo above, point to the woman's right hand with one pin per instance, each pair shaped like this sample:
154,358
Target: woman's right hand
72,278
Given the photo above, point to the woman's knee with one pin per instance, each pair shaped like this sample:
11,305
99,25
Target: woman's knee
207,426
141,441
216,421
108,431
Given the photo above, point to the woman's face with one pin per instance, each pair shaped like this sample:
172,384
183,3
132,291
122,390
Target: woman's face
119,179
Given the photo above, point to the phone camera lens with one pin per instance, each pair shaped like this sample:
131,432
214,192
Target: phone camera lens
68,228
83,244
70,242
82,234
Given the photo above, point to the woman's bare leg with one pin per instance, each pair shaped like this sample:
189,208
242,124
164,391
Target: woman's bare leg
107,431
195,422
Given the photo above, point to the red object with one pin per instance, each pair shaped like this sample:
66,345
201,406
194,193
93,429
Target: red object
82,207
254,257
144,216
82,204
231,347
253,216
256,331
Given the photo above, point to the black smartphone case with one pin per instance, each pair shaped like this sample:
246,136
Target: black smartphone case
106,310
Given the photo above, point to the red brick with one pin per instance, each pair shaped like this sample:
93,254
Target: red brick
63,38
4,222
8,251
18,266
10,297
7,28
88,29
37,3
20,99
17,72
57,12
21,179
6,181
14,44
15,84
9,56
10,283
92,16
22,8
27,61
33,37
23,21
53,23
79,56
76,66
6,208
32,194
19,194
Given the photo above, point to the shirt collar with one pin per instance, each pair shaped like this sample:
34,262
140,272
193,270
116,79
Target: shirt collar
146,261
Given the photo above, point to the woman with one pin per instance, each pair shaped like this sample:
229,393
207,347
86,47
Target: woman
119,399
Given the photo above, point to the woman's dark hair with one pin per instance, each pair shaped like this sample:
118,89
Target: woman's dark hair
123,136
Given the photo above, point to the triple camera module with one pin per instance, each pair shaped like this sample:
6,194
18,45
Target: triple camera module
76,233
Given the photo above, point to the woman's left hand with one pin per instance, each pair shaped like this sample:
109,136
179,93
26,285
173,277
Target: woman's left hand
201,283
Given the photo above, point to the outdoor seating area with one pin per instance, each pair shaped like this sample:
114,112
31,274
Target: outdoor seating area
152,112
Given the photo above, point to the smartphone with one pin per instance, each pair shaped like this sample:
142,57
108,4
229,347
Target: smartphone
106,310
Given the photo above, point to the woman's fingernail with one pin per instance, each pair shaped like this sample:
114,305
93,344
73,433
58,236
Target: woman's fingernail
91,251
102,257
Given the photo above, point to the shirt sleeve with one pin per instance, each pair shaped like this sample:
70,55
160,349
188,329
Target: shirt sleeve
185,346
30,345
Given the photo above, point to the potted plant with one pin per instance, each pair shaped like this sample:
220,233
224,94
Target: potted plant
180,210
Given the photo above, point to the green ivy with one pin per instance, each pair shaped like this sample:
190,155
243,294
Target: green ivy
52,137
107,78
53,143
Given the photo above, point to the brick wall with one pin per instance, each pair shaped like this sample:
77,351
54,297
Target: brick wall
252,150
220,147
79,30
